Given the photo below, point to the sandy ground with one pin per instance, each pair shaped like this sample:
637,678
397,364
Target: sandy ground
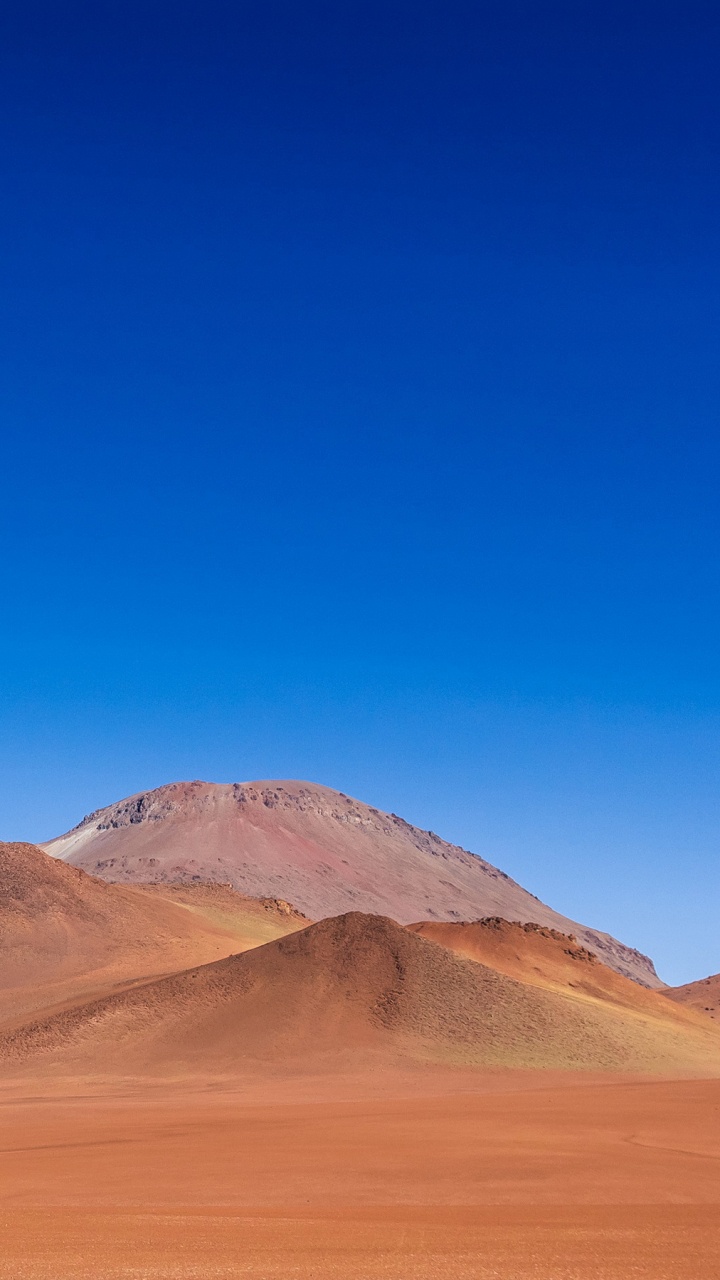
518,1176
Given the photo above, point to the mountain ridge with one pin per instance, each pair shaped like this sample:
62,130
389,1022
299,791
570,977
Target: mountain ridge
320,849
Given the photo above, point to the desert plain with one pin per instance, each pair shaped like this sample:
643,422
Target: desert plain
409,1174
200,1083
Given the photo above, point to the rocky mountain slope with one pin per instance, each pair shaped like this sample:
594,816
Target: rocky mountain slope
316,848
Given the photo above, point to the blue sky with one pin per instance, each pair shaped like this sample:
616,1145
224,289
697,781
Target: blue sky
359,400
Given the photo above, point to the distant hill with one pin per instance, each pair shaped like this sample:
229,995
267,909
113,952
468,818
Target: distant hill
356,989
541,957
704,995
317,848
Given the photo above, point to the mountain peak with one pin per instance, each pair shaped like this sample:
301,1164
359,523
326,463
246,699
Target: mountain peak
320,849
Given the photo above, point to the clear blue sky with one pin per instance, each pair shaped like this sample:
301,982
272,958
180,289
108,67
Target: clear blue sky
359,406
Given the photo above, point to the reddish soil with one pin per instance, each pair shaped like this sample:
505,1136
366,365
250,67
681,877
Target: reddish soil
342,1102
353,988
67,936
703,996
399,1178
541,957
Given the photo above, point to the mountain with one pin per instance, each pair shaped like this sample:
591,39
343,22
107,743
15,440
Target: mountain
317,848
704,995
350,990
64,933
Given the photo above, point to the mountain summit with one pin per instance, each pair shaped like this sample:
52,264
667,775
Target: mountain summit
316,848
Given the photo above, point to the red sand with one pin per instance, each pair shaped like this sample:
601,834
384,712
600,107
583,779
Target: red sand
67,936
405,1178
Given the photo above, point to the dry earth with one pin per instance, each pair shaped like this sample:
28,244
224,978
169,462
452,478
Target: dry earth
314,847
703,996
320,1106
66,936
364,985
399,1177
542,957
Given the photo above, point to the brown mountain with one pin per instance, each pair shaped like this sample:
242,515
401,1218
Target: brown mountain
316,848
354,989
64,934
704,995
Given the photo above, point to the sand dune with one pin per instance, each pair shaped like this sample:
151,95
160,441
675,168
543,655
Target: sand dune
315,847
351,988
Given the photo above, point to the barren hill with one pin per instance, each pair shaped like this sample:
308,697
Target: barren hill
316,848
63,932
541,957
342,991
704,995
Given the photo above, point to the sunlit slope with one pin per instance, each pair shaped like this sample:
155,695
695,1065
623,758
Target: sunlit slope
550,960
342,991
317,848
64,933
703,996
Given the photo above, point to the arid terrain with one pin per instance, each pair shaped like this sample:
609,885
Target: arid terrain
703,995
65,935
317,848
198,1083
351,1177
